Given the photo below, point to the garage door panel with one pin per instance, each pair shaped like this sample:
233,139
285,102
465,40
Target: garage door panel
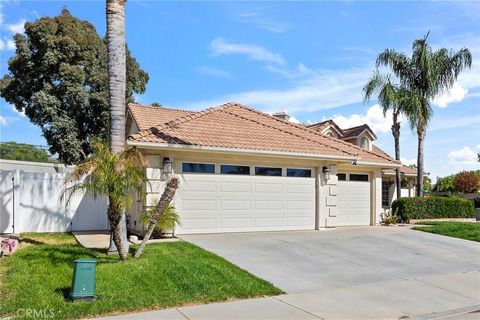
268,187
272,222
240,223
268,205
199,204
244,203
235,187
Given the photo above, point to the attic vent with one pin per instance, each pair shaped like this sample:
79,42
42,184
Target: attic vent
281,115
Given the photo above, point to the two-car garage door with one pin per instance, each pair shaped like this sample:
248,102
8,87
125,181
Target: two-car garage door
210,203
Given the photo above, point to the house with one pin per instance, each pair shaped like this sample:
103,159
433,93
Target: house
243,170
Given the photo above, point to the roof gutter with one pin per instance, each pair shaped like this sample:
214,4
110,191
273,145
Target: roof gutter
383,165
183,147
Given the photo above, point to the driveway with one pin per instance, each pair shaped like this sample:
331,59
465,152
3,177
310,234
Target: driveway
365,273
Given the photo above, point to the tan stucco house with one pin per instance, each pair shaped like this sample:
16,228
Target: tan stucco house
243,170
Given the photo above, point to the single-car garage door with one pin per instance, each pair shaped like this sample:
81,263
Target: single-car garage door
353,199
209,203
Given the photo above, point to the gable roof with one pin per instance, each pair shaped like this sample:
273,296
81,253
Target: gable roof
355,131
409,171
321,126
149,116
235,126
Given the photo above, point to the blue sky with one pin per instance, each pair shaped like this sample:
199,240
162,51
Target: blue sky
310,58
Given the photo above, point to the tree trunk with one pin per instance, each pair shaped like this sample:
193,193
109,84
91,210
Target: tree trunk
165,200
117,72
396,137
421,130
117,77
115,218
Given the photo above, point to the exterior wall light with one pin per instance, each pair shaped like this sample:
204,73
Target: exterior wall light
167,165
326,173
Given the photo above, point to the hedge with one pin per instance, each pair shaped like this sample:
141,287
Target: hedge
432,208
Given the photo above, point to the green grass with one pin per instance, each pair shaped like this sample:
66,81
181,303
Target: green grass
38,276
462,230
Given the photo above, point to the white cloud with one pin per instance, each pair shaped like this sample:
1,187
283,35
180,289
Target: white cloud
323,89
407,161
373,117
300,71
464,156
456,94
259,20
18,27
220,47
214,72
3,120
477,147
7,44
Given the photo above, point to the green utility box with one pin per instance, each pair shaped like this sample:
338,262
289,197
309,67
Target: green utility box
83,282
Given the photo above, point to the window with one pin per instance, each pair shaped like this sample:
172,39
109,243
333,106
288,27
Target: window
364,143
358,177
198,167
265,171
231,169
342,176
292,172
385,193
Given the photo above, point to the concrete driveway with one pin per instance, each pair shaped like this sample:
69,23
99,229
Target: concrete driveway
359,273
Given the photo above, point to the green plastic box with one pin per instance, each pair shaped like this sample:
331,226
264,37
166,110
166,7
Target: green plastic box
83,282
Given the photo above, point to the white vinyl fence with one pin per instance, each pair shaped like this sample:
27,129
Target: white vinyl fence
31,202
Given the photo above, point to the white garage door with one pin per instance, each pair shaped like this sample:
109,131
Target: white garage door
353,199
209,203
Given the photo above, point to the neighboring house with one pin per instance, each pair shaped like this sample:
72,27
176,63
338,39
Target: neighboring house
244,170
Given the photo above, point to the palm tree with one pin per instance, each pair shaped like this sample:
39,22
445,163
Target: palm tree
115,175
390,97
117,74
426,74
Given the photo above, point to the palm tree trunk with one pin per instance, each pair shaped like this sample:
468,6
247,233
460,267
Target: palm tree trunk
115,218
396,137
165,200
117,72
117,75
421,130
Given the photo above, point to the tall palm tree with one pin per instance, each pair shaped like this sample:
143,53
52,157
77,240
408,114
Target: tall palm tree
114,175
427,74
117,75
390,97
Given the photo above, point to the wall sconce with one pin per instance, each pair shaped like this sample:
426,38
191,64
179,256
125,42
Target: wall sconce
167,165
326,173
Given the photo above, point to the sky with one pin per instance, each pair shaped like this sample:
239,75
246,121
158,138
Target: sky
308,58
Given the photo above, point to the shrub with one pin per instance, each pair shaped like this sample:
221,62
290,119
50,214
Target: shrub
432,208
476,202
466,182
388,218
166,223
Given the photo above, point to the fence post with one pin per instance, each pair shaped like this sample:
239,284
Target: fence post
16,184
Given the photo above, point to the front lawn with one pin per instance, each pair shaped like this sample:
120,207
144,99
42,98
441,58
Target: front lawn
38,276
462,230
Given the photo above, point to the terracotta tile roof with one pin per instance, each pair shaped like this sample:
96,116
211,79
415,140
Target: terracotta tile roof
149,116
404,169
320,125
242,127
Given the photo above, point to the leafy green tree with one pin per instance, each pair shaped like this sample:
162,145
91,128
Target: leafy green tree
22,151
444,184
427,74
58,78
115,175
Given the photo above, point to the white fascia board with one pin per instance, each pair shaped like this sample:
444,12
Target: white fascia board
377,164
168,146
